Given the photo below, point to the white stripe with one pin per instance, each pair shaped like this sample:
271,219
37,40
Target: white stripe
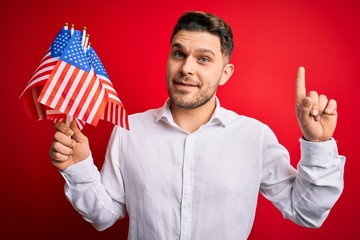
114,110
102,77
53,111
34,82
42,63
71,91
97,105
115,98
53,83
123,122
108,87
88,100
61,89
108,111
49,68
81,93
118,116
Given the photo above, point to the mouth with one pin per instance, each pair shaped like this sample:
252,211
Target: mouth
186,84
185,87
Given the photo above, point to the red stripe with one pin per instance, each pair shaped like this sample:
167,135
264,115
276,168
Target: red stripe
99,111
52,78
76,92
67,87
83,98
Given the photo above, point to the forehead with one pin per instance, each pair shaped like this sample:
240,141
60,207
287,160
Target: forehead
192,40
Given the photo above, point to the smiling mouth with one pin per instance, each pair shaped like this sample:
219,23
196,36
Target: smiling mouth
186,84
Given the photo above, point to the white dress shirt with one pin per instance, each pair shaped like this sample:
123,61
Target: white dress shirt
205,184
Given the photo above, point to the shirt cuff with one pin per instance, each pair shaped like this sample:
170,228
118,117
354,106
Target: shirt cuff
318,153
81,172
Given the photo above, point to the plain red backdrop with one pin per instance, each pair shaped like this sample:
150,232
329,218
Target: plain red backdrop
272,39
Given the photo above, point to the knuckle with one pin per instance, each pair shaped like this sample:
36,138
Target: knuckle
57,146
57,136
59,157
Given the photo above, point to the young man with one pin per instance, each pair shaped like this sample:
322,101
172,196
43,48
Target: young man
192,169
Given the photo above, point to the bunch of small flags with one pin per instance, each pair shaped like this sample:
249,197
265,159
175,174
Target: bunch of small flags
72,83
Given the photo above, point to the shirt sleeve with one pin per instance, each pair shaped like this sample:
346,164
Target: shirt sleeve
88,195
304,195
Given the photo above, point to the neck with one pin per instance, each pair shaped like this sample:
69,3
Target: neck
191,119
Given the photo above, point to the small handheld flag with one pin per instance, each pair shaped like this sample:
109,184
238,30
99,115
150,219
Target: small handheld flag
71,82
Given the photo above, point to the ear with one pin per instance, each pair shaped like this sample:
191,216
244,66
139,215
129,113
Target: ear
228,70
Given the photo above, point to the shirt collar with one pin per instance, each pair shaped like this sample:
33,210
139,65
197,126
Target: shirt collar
219,117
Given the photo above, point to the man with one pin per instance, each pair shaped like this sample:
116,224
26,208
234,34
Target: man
192,169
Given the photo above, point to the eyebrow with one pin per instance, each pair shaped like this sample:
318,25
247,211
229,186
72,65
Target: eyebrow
201,50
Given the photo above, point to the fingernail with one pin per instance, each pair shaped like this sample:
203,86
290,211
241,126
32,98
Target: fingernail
314,112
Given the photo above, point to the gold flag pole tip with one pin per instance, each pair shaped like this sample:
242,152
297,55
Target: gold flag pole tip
66,26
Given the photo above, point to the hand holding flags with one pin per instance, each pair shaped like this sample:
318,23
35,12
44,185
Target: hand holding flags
72,81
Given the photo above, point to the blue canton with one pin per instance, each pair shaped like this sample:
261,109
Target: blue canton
74,53
96,63
60,42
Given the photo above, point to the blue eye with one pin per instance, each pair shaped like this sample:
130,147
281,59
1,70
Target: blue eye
204,59
178,54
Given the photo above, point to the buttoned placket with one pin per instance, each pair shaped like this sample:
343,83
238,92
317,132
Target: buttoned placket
187,183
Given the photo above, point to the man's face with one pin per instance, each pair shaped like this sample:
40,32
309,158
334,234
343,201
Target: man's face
194,68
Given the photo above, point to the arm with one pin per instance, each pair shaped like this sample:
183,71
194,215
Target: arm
306,196
70,154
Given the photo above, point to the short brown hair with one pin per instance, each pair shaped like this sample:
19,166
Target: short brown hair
207,22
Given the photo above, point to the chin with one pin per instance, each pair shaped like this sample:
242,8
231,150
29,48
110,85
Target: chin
191,103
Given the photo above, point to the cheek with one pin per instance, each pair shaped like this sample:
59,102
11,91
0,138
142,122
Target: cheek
210,76
170,69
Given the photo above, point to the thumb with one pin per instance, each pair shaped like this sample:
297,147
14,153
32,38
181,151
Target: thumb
77,134
307,104
304,110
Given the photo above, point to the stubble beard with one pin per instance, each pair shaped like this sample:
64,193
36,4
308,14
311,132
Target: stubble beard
180,99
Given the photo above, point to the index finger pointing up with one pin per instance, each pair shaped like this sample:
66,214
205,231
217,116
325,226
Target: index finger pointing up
300,85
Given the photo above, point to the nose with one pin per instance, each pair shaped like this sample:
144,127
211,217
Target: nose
188,66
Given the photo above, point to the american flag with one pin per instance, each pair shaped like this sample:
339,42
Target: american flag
71,83
114,111
73,87
41,75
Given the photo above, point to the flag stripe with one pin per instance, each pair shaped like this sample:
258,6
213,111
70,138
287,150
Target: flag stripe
42,75
99,104
74,111
51,83
88,103
36,104
70,70
71,91
77,87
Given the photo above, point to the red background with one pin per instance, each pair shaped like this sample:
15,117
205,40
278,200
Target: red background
272,38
